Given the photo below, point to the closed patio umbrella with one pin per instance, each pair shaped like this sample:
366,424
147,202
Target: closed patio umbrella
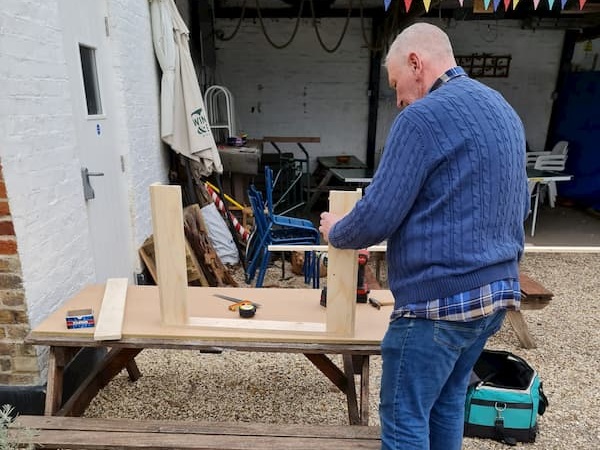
184,123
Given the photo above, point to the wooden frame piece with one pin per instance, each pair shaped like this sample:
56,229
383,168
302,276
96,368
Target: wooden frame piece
112,311
169,247
342,272
169,243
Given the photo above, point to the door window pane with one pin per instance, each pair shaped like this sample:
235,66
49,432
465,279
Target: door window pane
90,80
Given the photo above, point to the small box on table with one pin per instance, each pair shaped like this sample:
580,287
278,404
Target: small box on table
80,318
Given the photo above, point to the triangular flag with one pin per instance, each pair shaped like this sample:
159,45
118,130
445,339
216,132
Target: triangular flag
506,4
386,4
536,3
496,3
461,3
407,4
427,4
515,3
581,3
550,4
486,4
562,4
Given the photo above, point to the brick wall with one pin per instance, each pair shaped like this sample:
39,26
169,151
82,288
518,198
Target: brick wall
18,361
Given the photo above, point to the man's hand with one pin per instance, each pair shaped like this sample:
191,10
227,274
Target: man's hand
328,220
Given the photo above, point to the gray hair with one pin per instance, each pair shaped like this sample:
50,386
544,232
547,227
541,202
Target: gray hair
423,38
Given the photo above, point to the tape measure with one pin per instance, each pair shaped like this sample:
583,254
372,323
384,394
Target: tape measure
247,310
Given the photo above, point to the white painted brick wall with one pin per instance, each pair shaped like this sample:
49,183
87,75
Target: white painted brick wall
303,90
300,90
38,142
40,164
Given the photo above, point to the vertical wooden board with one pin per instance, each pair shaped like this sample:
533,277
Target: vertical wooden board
342,272
169,248
110,320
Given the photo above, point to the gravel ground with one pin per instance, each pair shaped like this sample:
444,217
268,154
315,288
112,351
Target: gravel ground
282,388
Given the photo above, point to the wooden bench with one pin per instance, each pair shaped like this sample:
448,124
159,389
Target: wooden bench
88,433
534,296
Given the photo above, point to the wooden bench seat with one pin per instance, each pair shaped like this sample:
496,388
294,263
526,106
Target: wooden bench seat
88,433
534,296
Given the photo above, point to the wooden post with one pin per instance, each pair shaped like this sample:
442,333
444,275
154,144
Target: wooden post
342,272
169,248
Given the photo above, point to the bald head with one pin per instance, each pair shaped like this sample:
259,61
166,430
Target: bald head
418,56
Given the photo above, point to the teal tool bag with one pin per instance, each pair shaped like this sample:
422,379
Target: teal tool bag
504,399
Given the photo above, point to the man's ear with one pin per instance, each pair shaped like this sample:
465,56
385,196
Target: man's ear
415,63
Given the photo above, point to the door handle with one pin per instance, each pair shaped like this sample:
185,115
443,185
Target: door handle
88,190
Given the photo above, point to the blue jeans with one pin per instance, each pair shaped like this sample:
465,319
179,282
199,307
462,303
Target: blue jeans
426,369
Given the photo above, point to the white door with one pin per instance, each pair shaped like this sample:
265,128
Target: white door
87,50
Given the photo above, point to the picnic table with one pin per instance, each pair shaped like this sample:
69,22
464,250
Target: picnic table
142,328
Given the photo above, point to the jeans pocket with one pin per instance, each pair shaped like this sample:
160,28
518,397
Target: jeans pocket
455,335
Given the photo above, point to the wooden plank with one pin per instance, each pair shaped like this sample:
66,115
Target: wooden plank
364,390
351,400
257,325
109,440
133,426
342,272
329,369
532,288
112,311
54,387
169,245
75,439
89,433
520,327
195,276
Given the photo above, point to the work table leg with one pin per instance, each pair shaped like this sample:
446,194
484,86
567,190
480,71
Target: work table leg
57,360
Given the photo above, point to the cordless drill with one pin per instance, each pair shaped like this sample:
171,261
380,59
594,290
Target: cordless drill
362,290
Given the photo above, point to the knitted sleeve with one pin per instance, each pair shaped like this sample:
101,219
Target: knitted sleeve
401,173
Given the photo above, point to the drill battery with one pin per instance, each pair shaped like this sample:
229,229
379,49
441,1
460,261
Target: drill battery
362,290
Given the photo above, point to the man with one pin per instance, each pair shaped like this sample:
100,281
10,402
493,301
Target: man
450,196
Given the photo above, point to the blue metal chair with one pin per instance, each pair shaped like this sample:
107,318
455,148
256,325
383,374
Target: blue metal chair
273,229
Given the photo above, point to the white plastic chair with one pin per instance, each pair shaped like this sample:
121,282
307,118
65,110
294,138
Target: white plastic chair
553,163
560,148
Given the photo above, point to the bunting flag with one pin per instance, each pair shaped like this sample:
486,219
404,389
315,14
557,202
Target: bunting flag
536,3
486,4
562,4
581,3
407,4
507,4
386,4
550,4
515,3
427,4
461,3
496,3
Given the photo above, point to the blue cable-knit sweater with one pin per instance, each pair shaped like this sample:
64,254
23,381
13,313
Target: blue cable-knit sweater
450,195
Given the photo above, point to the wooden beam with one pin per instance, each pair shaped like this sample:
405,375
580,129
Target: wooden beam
342,272
112,310
169,248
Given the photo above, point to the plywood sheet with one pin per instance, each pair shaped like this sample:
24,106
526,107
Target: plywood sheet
142,315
